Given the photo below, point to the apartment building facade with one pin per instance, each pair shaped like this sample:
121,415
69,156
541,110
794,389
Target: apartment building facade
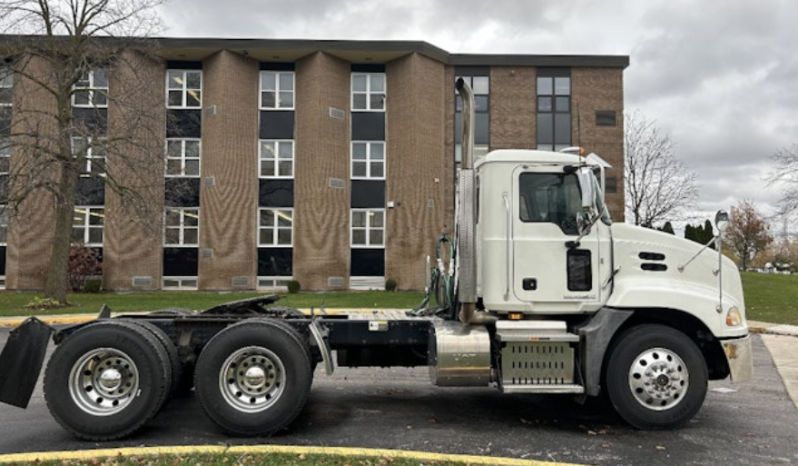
327,162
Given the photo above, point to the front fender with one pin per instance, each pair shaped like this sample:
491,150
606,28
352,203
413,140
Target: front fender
697,300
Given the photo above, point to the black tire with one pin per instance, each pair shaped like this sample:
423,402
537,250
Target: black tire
273,390
107,380
171,352
656,377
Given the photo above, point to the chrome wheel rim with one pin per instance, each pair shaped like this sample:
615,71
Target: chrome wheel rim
103,381
252,379
658,379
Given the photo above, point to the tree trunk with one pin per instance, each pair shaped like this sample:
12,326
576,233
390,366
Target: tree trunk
56,286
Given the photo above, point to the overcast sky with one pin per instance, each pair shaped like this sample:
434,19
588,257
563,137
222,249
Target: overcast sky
719,76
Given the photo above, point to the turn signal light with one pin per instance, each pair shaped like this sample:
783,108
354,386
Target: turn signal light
733,317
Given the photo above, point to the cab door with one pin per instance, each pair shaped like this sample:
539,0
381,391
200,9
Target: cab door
548,275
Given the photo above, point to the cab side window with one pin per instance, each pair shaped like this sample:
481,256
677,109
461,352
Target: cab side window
550,198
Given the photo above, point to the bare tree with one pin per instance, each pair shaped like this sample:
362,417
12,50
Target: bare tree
748,233
74,63
659,186
785,176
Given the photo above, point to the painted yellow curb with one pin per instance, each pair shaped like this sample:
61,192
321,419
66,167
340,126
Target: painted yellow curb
266,449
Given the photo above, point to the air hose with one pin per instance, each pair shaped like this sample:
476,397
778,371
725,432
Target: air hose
441,281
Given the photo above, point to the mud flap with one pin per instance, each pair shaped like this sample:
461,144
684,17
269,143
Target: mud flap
21,361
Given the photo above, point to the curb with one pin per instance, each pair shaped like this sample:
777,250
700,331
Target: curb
266,449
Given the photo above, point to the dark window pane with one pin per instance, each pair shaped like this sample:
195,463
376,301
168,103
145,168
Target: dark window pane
190,237
284,237
286,168
95,235
562,129
481,103
375,238
563,104
192,168
481,128
605,117
268,99
266,168
359,237
545,128
193,80
81,98
175,98
544,104
193,99
377,102
359,169
377,169
359,101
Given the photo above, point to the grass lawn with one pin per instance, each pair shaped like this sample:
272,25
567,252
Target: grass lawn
771,297
768,298
13,303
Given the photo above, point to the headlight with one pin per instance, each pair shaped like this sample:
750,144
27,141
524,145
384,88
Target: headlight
733,317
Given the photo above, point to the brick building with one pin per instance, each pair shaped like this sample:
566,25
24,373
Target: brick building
328,162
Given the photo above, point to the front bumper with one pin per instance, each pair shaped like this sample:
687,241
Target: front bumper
739,355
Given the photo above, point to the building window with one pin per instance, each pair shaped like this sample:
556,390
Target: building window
605,117
92,151
276,227
276,158
87,225
6,85
181,226
179,283
273,283
368,228
480,85
91,90
368,92
183,157
5,156
277,90
184,88
368,160
554,110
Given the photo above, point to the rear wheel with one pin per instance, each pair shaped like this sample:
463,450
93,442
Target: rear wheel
656,377
169,347
253,378
107,380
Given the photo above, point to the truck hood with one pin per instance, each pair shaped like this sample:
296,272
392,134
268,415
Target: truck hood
652,265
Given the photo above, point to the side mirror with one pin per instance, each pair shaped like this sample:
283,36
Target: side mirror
587,182
722,220
583,223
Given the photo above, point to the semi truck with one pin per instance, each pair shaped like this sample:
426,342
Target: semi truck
539,293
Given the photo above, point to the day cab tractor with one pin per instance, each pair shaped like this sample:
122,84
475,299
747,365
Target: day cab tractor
543,294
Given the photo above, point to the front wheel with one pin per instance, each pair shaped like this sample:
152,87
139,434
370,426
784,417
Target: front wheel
253,378
656,377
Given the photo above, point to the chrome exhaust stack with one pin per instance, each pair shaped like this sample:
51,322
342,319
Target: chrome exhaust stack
465,234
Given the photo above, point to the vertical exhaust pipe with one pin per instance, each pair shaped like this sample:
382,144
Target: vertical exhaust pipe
466,212
467,128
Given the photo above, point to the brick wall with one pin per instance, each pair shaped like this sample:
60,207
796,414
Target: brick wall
136,124
321,214
30,230
512,107
416,166
229,157
602,89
